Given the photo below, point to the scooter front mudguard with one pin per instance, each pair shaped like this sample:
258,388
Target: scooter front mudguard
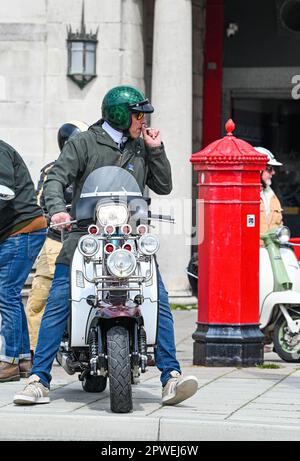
277,297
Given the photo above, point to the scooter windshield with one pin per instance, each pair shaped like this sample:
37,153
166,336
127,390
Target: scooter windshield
110,182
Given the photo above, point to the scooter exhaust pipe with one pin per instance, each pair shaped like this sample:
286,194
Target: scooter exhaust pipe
66,362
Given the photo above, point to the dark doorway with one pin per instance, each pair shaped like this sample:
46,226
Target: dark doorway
275,124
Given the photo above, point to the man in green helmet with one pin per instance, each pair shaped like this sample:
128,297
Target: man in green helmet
120,138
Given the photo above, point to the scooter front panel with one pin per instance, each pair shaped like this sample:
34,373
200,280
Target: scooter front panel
149,308
268,297
266,280
292,267
80,310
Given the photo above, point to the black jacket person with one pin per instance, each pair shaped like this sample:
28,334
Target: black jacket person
22,234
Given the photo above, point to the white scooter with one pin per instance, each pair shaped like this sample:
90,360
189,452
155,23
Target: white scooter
279,283
114,287
280,294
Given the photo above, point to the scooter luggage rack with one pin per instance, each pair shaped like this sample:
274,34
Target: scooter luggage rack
118,289
112,278
118,237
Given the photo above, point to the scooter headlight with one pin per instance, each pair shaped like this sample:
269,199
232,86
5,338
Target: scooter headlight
121,263
148,244
88,245
283,234
114,215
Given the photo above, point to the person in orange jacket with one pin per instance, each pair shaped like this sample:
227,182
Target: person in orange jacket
270,207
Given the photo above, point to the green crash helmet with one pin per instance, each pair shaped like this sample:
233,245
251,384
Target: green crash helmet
120,102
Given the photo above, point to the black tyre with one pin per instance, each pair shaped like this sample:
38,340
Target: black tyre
119,369
92,383
287,344
193,269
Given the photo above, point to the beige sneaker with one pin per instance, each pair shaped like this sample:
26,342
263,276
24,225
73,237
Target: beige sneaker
178,388
34,392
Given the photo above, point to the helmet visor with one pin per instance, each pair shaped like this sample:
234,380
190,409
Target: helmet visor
142,106
274,162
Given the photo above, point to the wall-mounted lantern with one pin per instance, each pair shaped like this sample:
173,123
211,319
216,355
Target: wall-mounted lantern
82,54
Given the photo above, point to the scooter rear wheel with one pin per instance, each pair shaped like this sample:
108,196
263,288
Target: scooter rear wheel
193,269
286,350
119,369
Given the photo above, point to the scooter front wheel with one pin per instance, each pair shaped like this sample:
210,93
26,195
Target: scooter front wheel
286,343
119,369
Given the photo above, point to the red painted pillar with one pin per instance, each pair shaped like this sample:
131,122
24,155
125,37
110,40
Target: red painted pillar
228,284
212,71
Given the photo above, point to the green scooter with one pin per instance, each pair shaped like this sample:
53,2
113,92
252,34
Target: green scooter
279,281
280,294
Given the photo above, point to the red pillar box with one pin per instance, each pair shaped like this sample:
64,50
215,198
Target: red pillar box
228,331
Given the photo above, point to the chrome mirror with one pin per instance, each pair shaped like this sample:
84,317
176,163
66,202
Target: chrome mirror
6,193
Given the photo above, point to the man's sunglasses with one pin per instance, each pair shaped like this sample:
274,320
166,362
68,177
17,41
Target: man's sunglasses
270,168
139,115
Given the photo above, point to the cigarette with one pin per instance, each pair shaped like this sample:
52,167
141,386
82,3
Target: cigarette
149,128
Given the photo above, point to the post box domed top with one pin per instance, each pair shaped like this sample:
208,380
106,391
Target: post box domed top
229,150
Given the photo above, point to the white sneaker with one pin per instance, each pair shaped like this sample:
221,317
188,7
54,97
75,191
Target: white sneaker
178,388
268,348
34,392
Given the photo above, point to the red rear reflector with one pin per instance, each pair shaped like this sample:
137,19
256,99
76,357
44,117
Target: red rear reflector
93,229
109,248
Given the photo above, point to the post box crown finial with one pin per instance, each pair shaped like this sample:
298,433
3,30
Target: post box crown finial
230,127
228,151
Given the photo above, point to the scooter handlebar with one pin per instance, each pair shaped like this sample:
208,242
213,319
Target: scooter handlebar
63,223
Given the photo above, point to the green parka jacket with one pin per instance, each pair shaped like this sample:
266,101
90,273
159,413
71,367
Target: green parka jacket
93,149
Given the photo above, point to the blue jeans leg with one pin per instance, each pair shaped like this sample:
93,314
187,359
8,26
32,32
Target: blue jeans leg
165,352
17,255
53,324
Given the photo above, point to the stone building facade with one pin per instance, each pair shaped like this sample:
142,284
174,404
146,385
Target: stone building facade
156,45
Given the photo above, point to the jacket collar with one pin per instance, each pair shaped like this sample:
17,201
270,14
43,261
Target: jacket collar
116,135
102,136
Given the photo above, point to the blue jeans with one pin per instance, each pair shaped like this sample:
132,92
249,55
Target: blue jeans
17,255
56,315
165,351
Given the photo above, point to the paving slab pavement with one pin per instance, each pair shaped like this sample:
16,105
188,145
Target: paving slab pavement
231,404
